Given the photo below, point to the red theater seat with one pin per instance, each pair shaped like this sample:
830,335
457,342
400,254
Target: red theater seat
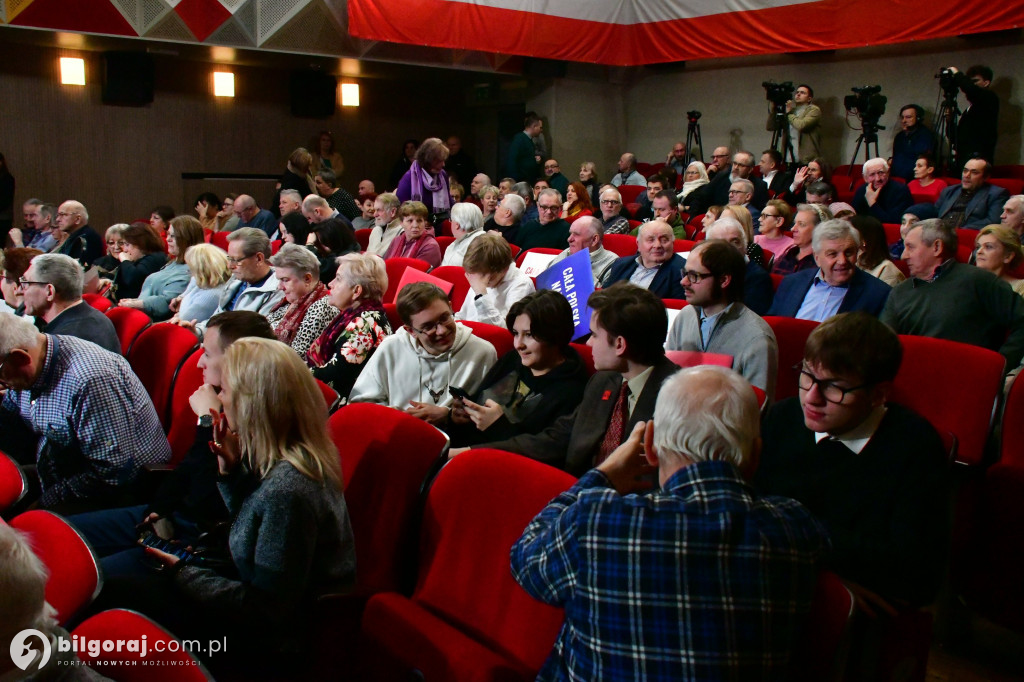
499,337
395,268
13,484
156,356
791,335
457,276
128,323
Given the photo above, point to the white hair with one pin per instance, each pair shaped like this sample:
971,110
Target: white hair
706,413
724,224
832,230
22,586
17,333
877,161
469,216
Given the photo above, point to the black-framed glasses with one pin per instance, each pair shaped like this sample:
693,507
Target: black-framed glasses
236,261
832,392
442,321
555,207
24,283
692,276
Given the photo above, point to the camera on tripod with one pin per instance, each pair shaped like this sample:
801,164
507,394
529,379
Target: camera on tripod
778,93
867,103
947,81
693,116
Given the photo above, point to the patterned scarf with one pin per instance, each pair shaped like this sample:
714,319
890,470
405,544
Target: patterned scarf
292,320
326,345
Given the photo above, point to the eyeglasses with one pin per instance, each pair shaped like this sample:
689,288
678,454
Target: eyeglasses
828,388
610,202
236,261
770,215
692,276
550,167
554,207
442,321
737,191
24,283
719,156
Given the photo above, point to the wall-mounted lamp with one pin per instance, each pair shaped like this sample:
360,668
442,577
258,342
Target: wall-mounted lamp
72,71
223,84
350,94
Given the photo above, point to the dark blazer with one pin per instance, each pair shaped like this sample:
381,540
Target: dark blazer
87,323
666,284
758,291
893,201
779,185
574,439
716,193
84,245
867,293
983,209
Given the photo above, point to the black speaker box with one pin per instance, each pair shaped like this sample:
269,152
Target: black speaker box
128,78
313,93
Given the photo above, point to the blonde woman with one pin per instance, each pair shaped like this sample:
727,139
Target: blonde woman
210,274
743,217
999,252
280,478
170,281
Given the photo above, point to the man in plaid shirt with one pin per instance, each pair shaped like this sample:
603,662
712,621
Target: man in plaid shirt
701,579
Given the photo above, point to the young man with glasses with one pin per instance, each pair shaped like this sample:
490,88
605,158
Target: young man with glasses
549,230
414,369
873,472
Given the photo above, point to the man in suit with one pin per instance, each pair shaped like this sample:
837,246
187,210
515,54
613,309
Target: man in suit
656,267
880,197
837,285
974,203
772,174
629,326
716,192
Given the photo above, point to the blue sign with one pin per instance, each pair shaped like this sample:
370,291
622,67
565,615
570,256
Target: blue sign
573,278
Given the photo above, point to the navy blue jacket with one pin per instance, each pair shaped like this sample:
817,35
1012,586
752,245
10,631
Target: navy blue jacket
867,293
893,201
983,209
666,284
757,289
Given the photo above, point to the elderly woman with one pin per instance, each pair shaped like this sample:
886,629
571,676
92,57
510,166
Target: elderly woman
15,263
588,178
107,265
495,280
710,216
577,203
489,198
427,182
339,354
304,312
467,225
171,280
773,220
456,192
534,384
290,539
695,175
874,252
293,228
365,219
999,252
142,255
800,256
414,241
208,266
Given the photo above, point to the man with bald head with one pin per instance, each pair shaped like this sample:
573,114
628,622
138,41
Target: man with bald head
1013,214
628,174
656,267
720,159
365,189
878,196
82,242
975,202
251,215
588,233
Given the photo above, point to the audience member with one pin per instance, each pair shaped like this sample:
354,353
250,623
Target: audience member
1013,214
532,212
39,227
974,203
488,196
364,221
13,266
366,188
467,225
837,285
757,283
979,124
288,201
142,255
328,240
878,196
207,206
337,198
820,192
676,158
628,174
925,183
896,250
107,264
804,120
588,233
656,266
800,256
553,172
293,228
495,281
477,185
772,174
774,219
78,413
949,300
872,472
577,203
297,176
507,218
741,193
227,219
817,169
339,354
641,573
387,225
695,175
251,215
911,142
210,274
999,252
160,219
665,208
611,216
80,241
716,192
457,192
401,166
414,242
655,183
539,380
588,177
717,321
167,283
304,312
549,230
522,161
874,253
414,368
52,293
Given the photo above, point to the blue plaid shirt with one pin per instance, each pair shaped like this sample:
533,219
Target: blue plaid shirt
95,423
701,580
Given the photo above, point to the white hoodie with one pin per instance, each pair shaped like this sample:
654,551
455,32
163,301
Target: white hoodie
402,370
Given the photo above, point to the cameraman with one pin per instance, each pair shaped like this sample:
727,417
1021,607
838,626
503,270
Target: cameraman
910,142
804,122
976,132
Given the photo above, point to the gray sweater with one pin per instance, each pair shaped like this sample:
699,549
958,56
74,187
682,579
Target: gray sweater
739,332
290,540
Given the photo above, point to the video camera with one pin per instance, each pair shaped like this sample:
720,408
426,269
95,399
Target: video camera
693,116
778,93
867,103
947,82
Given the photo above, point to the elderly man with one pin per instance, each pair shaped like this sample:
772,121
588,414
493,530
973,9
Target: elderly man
337,198
627,174
758,290
878,197
82,243
507,218
974,203
522,161
588,233
677,158
505,187
716,192
611,212
550,230
52,288
251,215
741,193
683,582
720,161
365,189
553,172
386,225
480,180
873,472
79,414
837,285
913,140
656,266
253,285
717,321
39,227
945,299
628,326
289,201
804,120
413,368
1013,214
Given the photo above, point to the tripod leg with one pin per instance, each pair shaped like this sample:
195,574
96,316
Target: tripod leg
853,159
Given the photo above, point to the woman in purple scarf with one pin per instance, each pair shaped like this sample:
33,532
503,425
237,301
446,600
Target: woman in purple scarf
426,180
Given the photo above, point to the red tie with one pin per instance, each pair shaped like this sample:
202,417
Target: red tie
616,426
